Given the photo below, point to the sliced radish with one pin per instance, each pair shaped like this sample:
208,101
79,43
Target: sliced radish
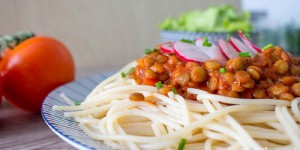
213,51
227,49
239,46
167,48
248,43
189,52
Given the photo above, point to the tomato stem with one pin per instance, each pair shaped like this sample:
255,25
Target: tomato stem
11,41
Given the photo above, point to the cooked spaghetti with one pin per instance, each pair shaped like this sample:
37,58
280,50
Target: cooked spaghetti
126,113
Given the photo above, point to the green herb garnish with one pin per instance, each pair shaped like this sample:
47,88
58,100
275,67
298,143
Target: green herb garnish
187,41
129,71
205,42
181,144
268,46
223,70
77,103
123,75
174,90
247,35
244,54
147,51
228,37
158,85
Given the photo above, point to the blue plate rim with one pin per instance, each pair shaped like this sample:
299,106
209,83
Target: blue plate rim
61,134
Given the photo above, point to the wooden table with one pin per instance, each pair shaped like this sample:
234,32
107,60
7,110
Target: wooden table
23,130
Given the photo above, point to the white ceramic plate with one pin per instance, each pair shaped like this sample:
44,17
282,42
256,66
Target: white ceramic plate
67,128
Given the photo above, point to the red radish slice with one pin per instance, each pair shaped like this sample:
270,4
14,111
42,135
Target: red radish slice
167,48
213,51
227,49
248,43
189,52
239,46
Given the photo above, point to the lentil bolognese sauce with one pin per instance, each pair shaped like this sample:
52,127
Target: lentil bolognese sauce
274,73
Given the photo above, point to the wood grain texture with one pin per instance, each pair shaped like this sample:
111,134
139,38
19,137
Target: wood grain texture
26,131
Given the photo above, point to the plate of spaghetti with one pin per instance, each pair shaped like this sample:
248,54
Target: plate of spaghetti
185,95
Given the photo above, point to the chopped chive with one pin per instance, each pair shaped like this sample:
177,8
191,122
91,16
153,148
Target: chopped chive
244,54
187,41
158,85
247,35
131,70
123,75
228,37
268,46
181,144
147,51
174,90
207,44
77,103
223,70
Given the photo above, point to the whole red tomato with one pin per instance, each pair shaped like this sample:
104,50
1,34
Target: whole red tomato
33,69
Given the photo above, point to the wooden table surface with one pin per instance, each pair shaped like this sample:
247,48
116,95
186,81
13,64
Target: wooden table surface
27,131
24,130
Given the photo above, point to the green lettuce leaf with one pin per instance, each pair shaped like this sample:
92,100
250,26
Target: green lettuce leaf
214,19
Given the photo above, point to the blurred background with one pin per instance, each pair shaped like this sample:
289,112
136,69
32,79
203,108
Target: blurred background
104,35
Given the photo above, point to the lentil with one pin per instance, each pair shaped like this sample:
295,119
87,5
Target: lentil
136,96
